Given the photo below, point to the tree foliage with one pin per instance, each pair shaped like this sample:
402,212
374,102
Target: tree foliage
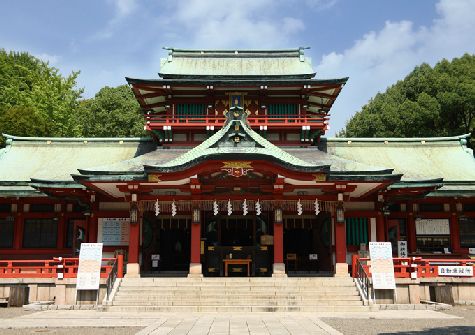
430,101
113,112
31,90
36,100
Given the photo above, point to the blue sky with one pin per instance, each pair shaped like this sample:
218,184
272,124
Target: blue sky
374,42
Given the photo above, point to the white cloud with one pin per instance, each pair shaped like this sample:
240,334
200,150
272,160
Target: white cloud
51,59
125,7
321,4
380,58
232,24
122,9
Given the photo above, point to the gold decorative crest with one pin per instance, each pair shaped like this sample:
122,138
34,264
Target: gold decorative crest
237,165
154,178
320,177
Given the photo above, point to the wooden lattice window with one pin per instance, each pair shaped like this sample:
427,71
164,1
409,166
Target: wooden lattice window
40,233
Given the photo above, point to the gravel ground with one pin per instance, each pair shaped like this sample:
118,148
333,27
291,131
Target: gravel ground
73,331
465,326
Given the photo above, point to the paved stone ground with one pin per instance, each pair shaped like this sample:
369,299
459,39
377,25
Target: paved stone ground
460,320
463,324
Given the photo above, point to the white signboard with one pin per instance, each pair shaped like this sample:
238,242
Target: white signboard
432,227
455,271
471,251
89,270
382,268
402,249
114,231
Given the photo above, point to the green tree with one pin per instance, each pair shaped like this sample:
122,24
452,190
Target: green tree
438,101
113,111
23,121
36,91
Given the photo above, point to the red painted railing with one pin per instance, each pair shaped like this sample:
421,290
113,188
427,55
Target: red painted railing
55,268
289,120
403,267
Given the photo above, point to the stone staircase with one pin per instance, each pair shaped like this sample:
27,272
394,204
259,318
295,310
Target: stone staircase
317,294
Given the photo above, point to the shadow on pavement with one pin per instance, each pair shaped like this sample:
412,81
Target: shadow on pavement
451,330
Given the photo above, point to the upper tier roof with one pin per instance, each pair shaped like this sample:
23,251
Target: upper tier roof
289,63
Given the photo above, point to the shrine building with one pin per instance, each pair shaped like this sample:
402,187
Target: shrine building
236,178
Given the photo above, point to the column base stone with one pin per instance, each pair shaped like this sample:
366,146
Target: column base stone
278,270
195,271
341,270
133,270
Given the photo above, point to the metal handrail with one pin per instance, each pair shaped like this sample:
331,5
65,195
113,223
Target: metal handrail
362,277
111,278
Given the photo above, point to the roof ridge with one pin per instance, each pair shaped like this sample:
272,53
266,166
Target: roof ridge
396,139
75,139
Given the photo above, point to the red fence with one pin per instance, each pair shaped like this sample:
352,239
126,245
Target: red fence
425,268
288,120
55,268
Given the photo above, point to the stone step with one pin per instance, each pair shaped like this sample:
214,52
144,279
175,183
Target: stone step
237,309
243,286
227,295
234,281
231,293
244,301
203,290
238,303
240,296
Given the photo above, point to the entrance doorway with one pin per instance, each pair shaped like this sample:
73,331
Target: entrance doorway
237,245
166,245
307,245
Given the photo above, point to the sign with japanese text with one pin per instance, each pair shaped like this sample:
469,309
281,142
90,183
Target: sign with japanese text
402,249
114,231
382,268
89,270
432,227
455,271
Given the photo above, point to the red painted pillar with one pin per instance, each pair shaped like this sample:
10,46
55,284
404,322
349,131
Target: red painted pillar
61,231
380,229
134,242
454,233
340,242
195,247
278,242
278,268
411,233
195,242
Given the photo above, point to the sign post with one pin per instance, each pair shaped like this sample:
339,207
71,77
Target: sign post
382,267
402,249
89,270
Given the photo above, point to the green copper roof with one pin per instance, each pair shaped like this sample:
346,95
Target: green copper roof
182,63
55,159
415,158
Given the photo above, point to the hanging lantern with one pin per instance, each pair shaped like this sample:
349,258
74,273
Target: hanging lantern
230,208
317,207
215,208
157,208
258,207
173,208
244,207
134,215
340,213
299,208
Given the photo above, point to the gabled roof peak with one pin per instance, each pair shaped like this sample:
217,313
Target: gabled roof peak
284,63
236,53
